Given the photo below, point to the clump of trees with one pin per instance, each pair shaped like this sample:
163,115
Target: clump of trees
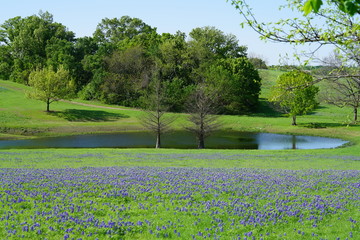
117,64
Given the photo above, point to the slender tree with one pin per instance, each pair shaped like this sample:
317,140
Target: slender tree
202,108
342,90
155,119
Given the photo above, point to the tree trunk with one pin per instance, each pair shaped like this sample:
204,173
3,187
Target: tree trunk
293,140
355,114
158,140
201,144
294,120
48,105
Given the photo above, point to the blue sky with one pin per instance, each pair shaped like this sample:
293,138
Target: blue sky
82,17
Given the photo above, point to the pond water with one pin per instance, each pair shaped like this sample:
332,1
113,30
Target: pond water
184,140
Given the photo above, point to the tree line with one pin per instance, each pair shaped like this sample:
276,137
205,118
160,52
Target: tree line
122,60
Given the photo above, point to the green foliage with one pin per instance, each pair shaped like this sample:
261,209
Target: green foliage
128,72
350,7
258,63
210,43
312,5
27,40
6,62
91,90
50,86
176,94
116,30
241,93
295,93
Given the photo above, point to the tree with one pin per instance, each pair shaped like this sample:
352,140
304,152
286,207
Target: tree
202,107
50,86
243,87
176,67
27,41
129,71
258,63
340,89
209,43
295,94
344,92
154,118
62,52
6,62
116,30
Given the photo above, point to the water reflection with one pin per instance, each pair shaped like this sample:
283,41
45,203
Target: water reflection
279,141
184,140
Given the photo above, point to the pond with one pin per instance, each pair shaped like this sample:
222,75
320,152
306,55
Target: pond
183,140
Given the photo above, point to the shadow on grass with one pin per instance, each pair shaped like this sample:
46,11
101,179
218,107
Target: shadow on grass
266,109
76,115
324,125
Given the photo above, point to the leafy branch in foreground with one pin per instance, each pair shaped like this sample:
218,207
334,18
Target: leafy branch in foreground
328,26
350,7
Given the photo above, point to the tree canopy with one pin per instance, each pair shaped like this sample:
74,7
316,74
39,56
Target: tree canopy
50,86
295,94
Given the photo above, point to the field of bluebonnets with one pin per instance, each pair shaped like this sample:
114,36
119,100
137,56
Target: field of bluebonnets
101,201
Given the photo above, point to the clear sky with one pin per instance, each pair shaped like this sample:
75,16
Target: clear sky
82,17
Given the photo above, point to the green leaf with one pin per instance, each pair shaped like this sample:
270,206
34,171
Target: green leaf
316,4
342,7
307,8
312,5
350,8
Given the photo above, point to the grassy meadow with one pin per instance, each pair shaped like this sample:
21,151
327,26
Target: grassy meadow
172,193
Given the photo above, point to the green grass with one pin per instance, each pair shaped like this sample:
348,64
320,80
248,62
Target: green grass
340,159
